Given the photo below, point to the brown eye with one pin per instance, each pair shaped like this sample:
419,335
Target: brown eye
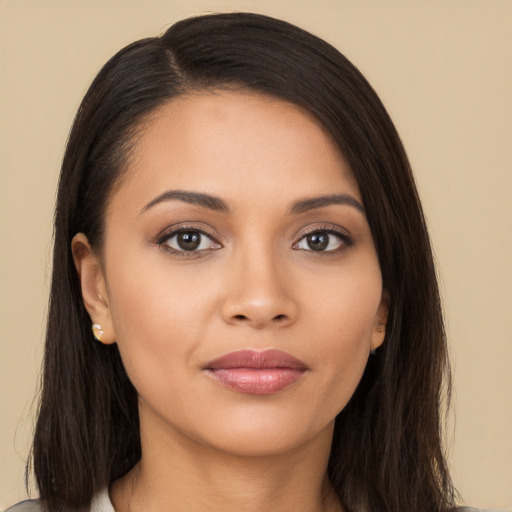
189,240
323,241
317,241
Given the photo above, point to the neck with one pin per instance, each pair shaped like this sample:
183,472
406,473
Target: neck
180,475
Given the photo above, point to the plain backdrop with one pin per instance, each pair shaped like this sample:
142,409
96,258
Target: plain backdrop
443,70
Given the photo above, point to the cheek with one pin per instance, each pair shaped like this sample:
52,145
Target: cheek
346,303
150,294
156,317
344,314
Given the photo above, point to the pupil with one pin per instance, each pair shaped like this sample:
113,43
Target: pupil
189,240
318,242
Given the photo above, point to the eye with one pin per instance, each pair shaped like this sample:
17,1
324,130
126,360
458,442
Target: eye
323,241
187,240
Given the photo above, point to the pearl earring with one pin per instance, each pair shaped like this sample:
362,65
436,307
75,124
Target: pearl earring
97,332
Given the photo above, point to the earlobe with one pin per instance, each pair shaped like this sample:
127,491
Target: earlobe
93,286
379,326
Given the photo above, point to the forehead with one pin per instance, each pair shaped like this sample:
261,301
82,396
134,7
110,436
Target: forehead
230,143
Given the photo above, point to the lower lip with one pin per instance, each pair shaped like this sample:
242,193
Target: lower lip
256,381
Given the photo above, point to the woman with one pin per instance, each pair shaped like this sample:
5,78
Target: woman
244,311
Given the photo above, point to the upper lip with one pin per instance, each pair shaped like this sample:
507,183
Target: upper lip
270,358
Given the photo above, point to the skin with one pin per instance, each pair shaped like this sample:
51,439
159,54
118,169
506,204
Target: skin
255,283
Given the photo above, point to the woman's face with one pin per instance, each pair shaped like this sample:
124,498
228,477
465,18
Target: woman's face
238,275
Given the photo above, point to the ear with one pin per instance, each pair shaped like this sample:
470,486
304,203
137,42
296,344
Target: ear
94,289
380,322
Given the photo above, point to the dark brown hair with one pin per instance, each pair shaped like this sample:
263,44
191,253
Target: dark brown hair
387,449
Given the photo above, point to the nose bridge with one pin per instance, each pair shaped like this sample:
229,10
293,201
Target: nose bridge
259,294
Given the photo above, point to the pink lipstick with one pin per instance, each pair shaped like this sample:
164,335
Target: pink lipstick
257,373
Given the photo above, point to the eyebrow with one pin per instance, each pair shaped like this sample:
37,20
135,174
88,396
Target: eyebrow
320,201
218,205
204,200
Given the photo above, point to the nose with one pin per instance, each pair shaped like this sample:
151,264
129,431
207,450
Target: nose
259,294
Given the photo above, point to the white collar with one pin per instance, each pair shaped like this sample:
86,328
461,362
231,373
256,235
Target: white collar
101,502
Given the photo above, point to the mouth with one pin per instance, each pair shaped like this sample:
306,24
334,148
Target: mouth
256,372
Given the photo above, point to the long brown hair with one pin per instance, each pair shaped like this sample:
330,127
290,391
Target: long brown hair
387,450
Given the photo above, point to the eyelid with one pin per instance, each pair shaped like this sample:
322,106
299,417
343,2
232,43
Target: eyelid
179,227
332,228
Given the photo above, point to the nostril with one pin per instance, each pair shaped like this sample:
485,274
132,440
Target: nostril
280,317
240,317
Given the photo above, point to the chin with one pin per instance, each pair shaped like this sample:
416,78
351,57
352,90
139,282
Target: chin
264,434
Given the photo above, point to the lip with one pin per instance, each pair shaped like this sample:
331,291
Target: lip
256,372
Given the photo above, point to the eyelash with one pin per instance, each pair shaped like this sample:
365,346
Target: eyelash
162,241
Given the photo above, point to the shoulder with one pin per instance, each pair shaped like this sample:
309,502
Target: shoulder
100,503
26,506
471,509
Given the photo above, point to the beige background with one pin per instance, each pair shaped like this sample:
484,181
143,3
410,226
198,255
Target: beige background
443,69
